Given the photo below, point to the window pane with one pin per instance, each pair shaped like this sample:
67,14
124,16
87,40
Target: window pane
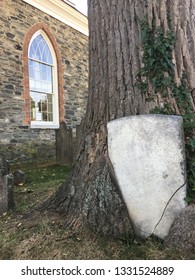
32,51
40,76
39,50
41,106
46,55
50,117
50,103
31,69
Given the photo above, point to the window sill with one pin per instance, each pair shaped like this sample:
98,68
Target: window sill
44,126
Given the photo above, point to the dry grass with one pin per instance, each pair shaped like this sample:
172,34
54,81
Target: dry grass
45,237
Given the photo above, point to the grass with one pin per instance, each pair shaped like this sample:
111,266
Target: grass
42,180
45,237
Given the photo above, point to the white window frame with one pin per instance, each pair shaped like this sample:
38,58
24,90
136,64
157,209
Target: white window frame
55,123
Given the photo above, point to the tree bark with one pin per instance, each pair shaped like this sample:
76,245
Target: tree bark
91,196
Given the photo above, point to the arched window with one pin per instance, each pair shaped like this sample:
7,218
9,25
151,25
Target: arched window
43,82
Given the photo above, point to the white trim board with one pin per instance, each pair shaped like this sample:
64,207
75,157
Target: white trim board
63,12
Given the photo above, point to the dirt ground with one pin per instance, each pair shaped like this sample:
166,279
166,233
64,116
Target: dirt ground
44,237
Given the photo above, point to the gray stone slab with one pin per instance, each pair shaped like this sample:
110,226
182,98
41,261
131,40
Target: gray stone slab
3,195
148,156
6,187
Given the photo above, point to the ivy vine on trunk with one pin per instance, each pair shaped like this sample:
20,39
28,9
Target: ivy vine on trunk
156,79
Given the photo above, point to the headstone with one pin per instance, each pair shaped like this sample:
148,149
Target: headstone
3,195
64,145
148,157
19,177
5,166
6,187
10,191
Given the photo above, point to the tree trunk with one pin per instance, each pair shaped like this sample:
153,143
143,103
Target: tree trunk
91,196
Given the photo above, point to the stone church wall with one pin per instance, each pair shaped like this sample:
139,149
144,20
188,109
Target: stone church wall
19,142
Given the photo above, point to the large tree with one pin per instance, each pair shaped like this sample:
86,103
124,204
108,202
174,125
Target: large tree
91,197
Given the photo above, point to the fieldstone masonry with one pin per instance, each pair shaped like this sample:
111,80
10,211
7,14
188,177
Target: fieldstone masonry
147,154
17,140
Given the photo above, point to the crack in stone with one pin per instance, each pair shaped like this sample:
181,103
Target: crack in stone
168,204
